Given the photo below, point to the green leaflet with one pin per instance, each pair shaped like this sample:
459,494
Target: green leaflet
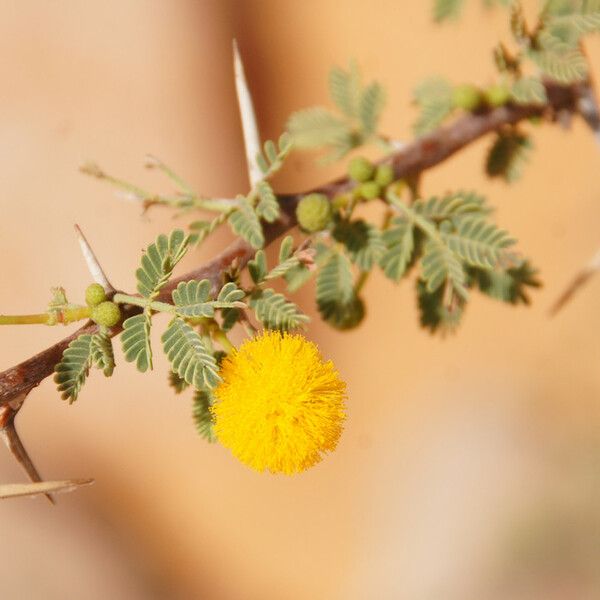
188,355
317,126
399,243
135,340
446,9
72,371
159,261
102,354
456,204
370,105
507,285
559,60
439,264
362,240
271,159
274,311
203,419
507,155
177,382
336,298
434,315
192,298
477,243
434,98
529,90
268,206
245,223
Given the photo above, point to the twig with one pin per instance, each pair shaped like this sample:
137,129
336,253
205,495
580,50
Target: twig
16,490
418,156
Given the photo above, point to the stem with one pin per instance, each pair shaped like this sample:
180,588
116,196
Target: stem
69,315
220,336
360,282
144,303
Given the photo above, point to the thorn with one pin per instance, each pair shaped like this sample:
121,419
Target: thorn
248,116
576,284
13,442
92,263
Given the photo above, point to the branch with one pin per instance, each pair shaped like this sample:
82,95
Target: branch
422,154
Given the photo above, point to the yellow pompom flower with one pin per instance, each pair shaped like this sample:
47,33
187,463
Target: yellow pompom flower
279,406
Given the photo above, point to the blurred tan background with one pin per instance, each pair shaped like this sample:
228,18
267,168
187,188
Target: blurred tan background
470,466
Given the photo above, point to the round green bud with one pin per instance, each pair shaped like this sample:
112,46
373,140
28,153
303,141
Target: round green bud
370,190
106,313
94,294
497,95
466,96
314,212
360,169
384,175
340,202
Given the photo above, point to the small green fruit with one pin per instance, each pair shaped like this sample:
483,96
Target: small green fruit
340,202
466,96
94,294
106,313
360,169
370,190
314,212
497,95
384,175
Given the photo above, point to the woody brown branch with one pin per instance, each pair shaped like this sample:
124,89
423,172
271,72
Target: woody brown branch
422,154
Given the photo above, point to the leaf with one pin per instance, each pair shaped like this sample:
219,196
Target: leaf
178,383
370,106
274,155
229,295
439,264
559,60
202,416
315,127
399,243
529,90
274,311
478,243
268,206
286,248
507,155
335,289
135,340
72,371
451,205
258,267
297,276
192,299
188,355
159,261
245,223
344,88
434,97
102,353
230,317
446,9
362,240
507,285
434,315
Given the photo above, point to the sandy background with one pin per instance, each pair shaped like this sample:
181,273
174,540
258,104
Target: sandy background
452,448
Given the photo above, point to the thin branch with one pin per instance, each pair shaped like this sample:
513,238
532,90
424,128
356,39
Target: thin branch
248,116
416,157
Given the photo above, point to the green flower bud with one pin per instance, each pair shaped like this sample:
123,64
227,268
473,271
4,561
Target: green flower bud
94,294
370,190
360,169
466,96
106,313
314,212
497,95
340,202
384,175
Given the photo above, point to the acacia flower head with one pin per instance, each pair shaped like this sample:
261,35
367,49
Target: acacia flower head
279,406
